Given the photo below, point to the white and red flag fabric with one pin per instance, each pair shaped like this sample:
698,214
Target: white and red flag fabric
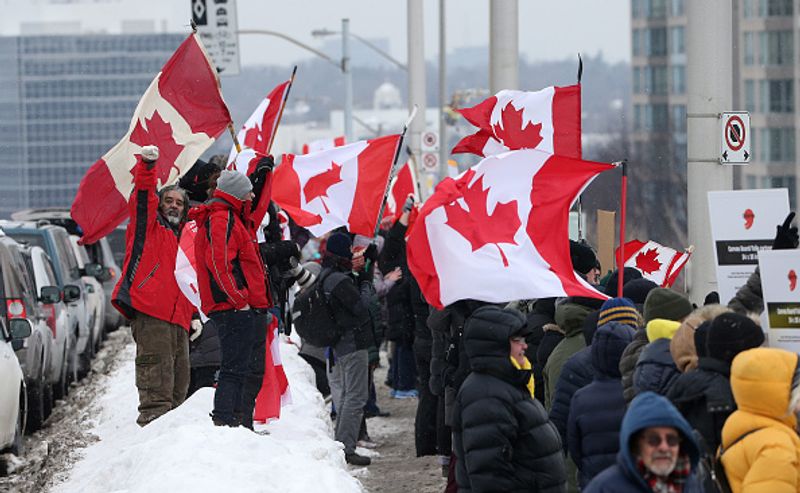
343,186
500,231
403,183
659,263
257,132
186,267
548,120
323,144
274,391
182,112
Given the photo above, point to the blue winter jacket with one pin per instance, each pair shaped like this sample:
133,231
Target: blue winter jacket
576,374
655,371
647,410
596,412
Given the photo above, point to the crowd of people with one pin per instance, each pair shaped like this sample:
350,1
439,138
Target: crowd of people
642,391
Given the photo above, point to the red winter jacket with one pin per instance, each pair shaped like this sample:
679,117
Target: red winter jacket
148,282
230,272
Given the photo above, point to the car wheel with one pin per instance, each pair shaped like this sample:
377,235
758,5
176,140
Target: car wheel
86,358
73,361
35,405
18,447
61,387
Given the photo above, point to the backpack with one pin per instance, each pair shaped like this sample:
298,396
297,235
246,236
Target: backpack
312,315
712,472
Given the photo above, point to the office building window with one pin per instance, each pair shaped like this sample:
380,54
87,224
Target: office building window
747,9
678,79
656,80
658,117
776,145
656,41
775,8
677,8
775,48
637,9
636,42
679,118
776,96
637,116
637,80
749,48
676,40
658,9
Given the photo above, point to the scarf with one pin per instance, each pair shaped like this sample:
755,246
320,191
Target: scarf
672,483
526,365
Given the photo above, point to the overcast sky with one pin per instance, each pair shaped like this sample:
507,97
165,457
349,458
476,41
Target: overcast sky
548,29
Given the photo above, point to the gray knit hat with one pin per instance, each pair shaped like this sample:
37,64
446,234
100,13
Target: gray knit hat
234,183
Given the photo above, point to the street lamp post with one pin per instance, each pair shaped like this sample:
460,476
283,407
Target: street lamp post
348,82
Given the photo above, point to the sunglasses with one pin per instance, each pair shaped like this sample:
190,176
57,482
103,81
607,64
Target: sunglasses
655,439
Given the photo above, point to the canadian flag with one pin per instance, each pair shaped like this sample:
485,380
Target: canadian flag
504,222
343,186
182,112
548,120
323,144
274,391
186,267
402,185
656,262
257,132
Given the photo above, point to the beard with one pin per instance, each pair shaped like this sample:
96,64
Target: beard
662,467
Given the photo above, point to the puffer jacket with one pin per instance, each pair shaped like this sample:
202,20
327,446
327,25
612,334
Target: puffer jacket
570,317
646,410
502,438
627,364
704,398
400,321
766,454
656,371
749,298
553,335
147,284
596,410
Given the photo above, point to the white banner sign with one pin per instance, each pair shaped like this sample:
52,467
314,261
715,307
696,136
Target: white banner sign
779,271
217,27
742,223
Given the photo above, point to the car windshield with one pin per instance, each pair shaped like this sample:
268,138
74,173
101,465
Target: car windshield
29,239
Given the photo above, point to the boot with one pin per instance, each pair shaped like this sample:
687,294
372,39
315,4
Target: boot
357,460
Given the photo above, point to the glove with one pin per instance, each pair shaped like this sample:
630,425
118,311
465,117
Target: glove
371,253
786,237
195,330
409,204
266,163
149,154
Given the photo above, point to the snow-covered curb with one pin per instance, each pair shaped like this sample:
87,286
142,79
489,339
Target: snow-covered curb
183,451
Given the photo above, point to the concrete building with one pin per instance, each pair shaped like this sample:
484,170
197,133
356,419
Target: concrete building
64,101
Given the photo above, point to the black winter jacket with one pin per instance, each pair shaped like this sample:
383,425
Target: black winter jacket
576,374
350,310
400,322
704,398
628,363
655,371
502,438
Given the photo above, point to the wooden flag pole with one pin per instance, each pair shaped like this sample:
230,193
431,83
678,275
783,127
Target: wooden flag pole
233,136
280,113
622,217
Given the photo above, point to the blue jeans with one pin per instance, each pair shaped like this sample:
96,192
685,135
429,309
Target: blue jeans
404,376
242,339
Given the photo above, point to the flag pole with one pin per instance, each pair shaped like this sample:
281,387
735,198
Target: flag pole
622,216
233,135
280,113
392,171
580,202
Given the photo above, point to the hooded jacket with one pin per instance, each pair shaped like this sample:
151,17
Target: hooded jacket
627,364
502,438
596,411
768,458
570,317
656,370
230,272
647,410
147,284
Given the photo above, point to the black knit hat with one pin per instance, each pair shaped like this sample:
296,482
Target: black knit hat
583,257
339,244
701,339
666,303
731,333
628,274
637,290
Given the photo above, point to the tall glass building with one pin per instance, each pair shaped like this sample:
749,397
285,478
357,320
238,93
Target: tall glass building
64,101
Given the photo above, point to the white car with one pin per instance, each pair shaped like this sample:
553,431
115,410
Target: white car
95,296
13,401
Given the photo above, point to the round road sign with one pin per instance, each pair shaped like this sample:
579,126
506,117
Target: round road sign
735,133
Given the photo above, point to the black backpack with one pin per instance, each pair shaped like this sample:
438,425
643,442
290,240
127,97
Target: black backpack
312,315
711,470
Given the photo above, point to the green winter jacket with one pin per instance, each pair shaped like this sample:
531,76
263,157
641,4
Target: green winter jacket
570,317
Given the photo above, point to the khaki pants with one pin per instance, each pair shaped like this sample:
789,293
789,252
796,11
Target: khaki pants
162,366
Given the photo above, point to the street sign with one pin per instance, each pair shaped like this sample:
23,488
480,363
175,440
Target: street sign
430,161
735,143
430,141
216,26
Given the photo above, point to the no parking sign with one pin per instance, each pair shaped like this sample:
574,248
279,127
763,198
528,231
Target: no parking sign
735,148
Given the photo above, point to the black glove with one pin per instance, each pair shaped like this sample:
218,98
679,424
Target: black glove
786,237
409,204
371,253
266,163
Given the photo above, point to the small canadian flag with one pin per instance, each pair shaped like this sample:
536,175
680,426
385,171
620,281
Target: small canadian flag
323,144
656,262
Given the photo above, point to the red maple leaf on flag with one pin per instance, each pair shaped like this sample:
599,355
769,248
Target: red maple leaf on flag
513,134
478,226
158,133
318,185
647,262
254,139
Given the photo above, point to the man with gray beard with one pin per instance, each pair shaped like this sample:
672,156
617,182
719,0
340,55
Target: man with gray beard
657,452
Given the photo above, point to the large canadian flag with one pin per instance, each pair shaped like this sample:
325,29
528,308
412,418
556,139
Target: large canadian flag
548,120
323,144
343,186
257,132
656,262
182,112
500,231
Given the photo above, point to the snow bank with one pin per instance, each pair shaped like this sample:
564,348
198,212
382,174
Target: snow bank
183,451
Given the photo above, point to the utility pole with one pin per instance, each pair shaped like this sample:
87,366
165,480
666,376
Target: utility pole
709,72
348,82
443,148
416,81
503,45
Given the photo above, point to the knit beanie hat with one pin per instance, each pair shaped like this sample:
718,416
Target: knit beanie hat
234,184
620,310
583,257
701,339
731,333
666,303
637,290
628,274
660,328
339,244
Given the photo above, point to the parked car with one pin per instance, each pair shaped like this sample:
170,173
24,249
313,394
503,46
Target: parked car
55,241
95,296
34,352
13,400
40,268
101,252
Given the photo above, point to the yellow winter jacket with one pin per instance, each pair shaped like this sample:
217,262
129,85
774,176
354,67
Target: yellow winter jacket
767,460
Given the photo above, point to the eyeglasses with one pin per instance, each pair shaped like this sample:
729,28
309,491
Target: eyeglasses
655,439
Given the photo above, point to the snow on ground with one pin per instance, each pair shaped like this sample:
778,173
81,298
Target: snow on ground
184,451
